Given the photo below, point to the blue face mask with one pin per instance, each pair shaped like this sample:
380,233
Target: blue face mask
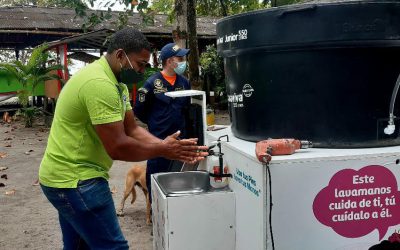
180,69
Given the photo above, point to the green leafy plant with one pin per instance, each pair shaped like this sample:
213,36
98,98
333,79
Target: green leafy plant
30,75
212,63
29,115
212,67
148,72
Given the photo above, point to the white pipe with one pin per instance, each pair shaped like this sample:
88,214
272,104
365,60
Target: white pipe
390,128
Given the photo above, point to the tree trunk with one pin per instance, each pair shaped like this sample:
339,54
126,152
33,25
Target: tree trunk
193,46
223,8
45,104
180,29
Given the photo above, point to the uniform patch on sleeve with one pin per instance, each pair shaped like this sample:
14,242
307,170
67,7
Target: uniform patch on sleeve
142,94
158,84
158,91
142,97
143,90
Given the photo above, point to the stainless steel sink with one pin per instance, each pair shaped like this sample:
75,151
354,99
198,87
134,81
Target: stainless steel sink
183,183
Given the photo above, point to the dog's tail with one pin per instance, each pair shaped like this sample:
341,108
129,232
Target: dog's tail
138,184
134,191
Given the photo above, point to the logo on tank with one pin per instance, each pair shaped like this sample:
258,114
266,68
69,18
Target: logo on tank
237,99
247,90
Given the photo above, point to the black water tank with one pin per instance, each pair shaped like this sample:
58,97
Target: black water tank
322,72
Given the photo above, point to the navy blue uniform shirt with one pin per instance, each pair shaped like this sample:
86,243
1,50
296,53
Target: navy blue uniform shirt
162,114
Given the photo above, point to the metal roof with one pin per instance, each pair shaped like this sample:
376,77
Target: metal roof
23,27
90,40
83,56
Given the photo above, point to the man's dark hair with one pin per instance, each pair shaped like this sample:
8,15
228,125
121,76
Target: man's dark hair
128,39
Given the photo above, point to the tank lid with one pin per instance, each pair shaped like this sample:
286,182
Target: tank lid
316,25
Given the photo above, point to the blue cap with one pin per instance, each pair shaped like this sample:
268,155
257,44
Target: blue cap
171,49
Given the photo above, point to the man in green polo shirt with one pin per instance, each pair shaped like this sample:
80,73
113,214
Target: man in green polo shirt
94,125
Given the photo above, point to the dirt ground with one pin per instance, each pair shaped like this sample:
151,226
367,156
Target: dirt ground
27,219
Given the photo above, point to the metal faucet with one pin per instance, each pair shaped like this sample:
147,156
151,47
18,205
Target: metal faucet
220,158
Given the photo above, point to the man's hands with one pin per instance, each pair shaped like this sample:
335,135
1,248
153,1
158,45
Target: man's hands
143,146
185,150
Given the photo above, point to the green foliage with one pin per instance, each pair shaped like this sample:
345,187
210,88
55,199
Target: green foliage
214,7
285,2
29,114
122,20
212,67
81,8
23,97
147,9
211,7
163,6
149,72
240,6
32,73
94,18
45,3
211,63
97,17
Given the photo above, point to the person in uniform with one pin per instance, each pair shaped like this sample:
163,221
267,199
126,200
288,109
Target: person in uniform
162,114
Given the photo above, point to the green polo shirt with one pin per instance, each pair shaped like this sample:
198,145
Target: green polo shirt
74,150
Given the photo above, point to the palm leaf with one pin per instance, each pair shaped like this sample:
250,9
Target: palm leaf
33,73
12,70
44,78
38,58
8,69
19,66
54,67
49,69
